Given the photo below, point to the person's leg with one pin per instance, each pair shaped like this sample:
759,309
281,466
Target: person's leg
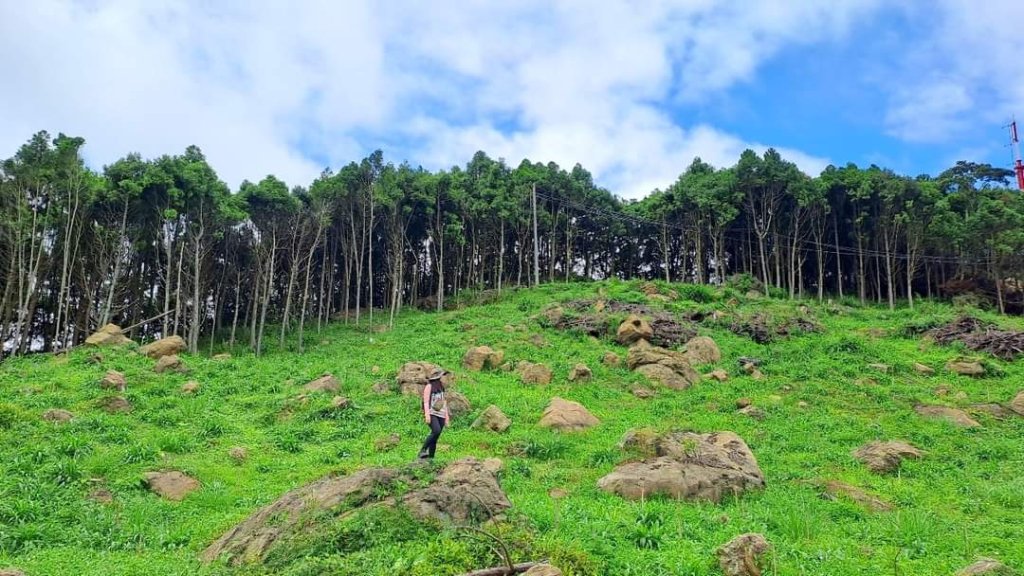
436,426
431,442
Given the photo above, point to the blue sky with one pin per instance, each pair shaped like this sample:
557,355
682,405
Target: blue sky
631,90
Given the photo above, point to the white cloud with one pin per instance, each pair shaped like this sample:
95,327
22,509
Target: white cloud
264,87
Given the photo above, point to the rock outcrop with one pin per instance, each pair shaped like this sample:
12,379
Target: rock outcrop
632,329
966,368
482,357
113,380
689,466
463,491
493,419
580,373
412,377
171,485
109,335
739,557
325,383
702,350
567,416
883,457
952,415
164,347
169,363
668,368
530,373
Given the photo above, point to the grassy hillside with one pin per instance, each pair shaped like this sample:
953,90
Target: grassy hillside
964,499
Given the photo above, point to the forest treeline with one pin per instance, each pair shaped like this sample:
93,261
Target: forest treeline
165,238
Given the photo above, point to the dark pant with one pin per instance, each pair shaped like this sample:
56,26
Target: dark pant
436,425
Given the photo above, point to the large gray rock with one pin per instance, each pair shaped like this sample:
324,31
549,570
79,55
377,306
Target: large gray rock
325,383
668,368
464,490
482,357
702,350
689,466
412,377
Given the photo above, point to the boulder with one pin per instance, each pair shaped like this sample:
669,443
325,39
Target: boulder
412,377
115,405
109,335
458,404
493,419
1017,404
58,415
190,387
239,454
169,346
113,380
531,373
387,443
640,440
325,383
169,364
923,369
340,402
719,375
632,329
643,393
493,465
668,368
702,350
689,466
836,489
482,357
543,570
743,402
538,341
966,368
986,567
739,557
580,372
951,415
553,314
171,485
752,411
465,490
567,416
649,288
997,411
883,457
611,359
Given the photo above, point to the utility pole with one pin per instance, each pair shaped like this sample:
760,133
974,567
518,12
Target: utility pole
1018,165
536,242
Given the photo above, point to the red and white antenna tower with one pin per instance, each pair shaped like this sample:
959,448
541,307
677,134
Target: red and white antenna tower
1018,165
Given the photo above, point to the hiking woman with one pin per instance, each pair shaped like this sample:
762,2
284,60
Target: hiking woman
435,411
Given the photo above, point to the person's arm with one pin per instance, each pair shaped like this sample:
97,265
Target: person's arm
426,403
447,418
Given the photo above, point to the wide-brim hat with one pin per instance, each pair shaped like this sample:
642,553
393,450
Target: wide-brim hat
437,374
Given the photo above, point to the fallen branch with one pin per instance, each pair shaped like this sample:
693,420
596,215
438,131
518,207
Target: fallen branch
148,320
504,570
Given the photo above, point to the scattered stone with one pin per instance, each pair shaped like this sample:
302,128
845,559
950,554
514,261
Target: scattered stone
538,341
553,314
95,359
109,335
611,360
580,372
923,369
643,393
116,405
743,402
58,416
753,412
387,443
719,375
1017,404
190,387
482,357
744,360
802,404
883,457
640,440
464,490
787,388
531,373
493,419
169,364
239,454
101,496
340,403
752,369
942,390
458,404
702,350
966,368
835,488
986,567
381,387
739,557
567,416
883,368
689,466
668,368
170,346
543,570
952,415
375,369
634,328
172,485
412,377
325,383
113,380
961,395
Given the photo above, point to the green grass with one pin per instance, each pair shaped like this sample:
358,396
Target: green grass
964,499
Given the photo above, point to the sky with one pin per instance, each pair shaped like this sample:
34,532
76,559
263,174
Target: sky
631,90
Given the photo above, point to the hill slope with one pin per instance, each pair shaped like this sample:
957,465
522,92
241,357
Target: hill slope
821,400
